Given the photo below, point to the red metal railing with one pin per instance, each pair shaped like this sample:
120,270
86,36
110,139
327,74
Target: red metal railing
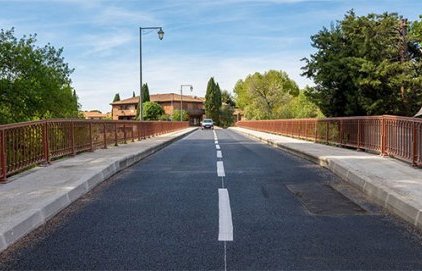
24,145
398,137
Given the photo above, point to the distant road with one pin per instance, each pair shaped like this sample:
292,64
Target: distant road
218,200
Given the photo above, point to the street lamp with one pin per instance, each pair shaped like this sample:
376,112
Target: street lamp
160,33
181,98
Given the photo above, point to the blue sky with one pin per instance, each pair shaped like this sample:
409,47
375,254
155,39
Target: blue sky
225,39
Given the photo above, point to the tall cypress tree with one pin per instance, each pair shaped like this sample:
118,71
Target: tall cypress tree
116,97
145,93
213,100
133,94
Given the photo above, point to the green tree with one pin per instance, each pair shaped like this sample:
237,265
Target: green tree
176,115
226,115
213,100
366,65
34,81
145,93
152,111
116,97
301,107
264,96
227,98
133,94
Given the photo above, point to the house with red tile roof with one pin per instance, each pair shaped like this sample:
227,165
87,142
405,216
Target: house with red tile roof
126,109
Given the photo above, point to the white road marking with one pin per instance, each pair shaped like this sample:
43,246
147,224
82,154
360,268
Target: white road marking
225,256
217,147
220,169
216,142
225,223
219,154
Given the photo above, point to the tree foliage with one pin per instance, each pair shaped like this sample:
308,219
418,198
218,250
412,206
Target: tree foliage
176,115
213,100
264,96
227,98
34,81
226,115
145,93
152,111
367,65
116,97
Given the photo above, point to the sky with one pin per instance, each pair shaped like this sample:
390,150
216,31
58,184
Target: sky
224,39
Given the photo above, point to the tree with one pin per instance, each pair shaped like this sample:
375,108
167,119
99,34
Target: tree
301,107
152,111
264,96
366,65
145,93
176,115
227,98
116,97
133,94
213,100
34,81
226,115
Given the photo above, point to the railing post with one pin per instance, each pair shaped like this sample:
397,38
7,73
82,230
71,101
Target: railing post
138,128
90,137
415,143
306,129
316,130
341,132
326,132
133,139
115,135
72,134
358,137
383,135
3,158
46,142
124,134
105,136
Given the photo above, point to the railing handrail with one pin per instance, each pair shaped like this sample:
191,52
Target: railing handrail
396,136
26,144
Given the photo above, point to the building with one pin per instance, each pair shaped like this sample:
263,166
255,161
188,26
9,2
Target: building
126,109
96,115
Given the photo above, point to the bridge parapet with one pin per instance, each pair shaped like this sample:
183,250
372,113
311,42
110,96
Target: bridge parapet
399,137
24,145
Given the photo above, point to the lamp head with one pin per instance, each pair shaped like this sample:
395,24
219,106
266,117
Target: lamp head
160,33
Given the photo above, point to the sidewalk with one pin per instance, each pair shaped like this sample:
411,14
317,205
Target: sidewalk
35,196
391,183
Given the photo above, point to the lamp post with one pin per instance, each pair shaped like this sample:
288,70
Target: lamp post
160,33
181,98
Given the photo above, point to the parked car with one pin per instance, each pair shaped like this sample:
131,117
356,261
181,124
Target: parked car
207,124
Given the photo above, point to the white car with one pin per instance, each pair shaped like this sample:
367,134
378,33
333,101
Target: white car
207,124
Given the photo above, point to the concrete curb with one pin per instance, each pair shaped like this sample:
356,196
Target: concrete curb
33,218
403,206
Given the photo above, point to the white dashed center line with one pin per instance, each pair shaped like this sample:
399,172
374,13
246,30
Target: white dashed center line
225,224
219,154
220,169
217,147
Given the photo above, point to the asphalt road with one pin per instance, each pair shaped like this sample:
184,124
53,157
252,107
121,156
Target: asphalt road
169,212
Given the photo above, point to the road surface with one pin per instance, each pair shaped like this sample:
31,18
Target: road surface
218,200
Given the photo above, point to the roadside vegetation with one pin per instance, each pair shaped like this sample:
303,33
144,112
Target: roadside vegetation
34,81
